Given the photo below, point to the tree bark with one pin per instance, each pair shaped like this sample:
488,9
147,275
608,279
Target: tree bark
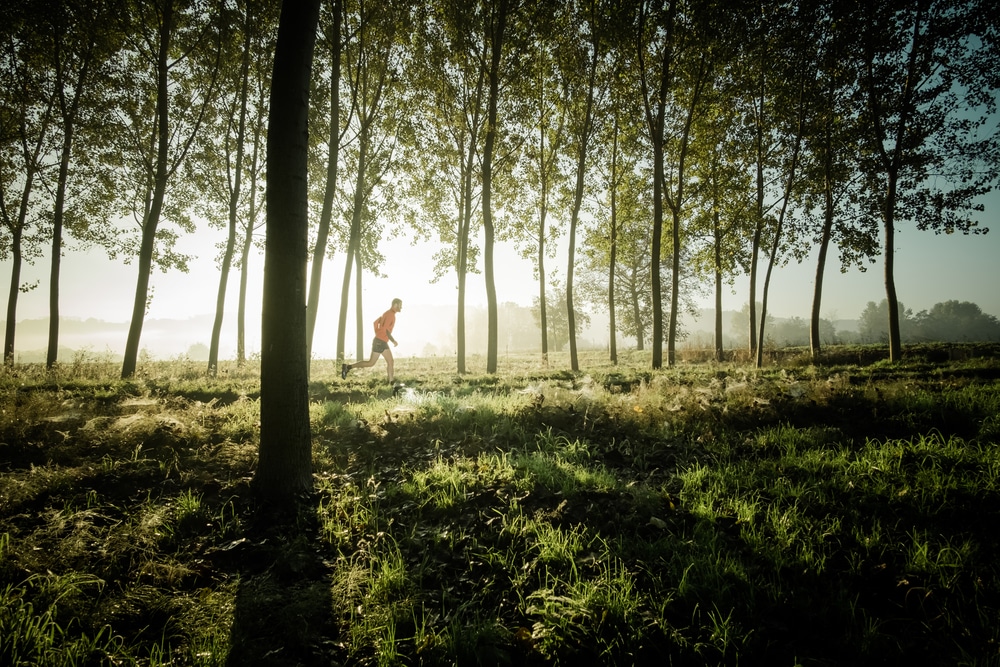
69,111
581,169
612,261
824,245
152,218
234,201
17,234
786,199
359,309
354,242
717,233
655,115
323,231
285,467
495,34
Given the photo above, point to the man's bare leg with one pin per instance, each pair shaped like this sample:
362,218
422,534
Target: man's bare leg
366,364
387,353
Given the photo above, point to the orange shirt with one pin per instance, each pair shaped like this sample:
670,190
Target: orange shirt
384,325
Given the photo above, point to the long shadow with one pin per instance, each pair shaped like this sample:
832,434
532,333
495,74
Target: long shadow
283,613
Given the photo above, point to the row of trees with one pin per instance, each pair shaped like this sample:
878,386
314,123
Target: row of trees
677,143
948,321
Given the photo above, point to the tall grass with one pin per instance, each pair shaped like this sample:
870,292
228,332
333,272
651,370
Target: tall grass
704,514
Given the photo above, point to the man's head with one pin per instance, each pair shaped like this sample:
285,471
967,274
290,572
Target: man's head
397,305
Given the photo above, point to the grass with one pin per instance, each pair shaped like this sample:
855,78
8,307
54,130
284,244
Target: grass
842,513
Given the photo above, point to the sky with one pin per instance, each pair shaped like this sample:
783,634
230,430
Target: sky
929,269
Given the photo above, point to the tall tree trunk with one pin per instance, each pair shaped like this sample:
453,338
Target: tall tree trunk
640,330
285,464
69,112
717,234
323,231
758,229
676,203
581,170
889,250
359,309
542,309
241,314
15,285
892,163
17,233
353,243
543,315
824,245
495,34
245,250
612,261
464,217
657,241
152,217
655,110
786,198
234,202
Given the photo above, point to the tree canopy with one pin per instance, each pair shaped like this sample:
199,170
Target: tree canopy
680,144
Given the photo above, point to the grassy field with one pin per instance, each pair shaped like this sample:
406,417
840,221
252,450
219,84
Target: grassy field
840,514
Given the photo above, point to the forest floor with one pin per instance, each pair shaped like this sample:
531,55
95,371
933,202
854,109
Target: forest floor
841,513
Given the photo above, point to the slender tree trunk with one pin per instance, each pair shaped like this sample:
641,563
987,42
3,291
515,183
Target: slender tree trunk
759,209
889,250
323,231
786,198
152,218
220,298
640,329
655,113
15,284
581,170
542,309
241,314
465,215
285,463
542,212
52,353
465,219
754,253
245,251
353,244
234,202
574,362
657,290
717,234
464,226
359,309
612,261
824,245
17,234
892,182
69,113
676,204
495,35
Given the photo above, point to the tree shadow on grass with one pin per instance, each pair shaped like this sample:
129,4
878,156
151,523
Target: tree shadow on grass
283,613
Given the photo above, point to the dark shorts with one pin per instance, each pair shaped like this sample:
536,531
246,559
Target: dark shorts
379,346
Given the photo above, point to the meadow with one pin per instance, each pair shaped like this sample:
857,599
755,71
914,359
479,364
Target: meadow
844,513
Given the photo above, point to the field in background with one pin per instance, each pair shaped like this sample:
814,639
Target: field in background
709,513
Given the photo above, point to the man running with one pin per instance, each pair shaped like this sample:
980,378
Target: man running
380,343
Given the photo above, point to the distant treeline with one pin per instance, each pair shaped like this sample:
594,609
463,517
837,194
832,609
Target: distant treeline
946,322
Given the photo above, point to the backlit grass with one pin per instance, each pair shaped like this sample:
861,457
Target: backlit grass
705,514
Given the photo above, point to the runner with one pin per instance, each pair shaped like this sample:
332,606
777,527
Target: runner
380,343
